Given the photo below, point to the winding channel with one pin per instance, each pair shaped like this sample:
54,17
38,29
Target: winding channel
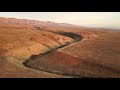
76,37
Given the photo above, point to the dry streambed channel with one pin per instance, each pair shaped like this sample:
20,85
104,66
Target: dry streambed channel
48,66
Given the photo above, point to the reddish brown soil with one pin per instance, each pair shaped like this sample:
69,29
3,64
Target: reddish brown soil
21,43
99,57
9,69
64,64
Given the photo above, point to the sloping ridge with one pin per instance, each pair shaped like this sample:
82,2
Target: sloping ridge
47,65
90,58
21,44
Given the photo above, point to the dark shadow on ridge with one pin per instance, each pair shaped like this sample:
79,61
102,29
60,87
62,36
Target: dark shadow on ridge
74,36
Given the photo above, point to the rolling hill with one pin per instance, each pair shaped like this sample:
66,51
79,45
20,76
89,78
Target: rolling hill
42,49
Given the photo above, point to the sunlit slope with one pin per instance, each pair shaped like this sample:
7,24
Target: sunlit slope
22,43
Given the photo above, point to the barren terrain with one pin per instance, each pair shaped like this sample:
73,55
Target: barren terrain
28,50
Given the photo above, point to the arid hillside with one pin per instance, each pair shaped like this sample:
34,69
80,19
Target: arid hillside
18,45
95,56
22,43
37,49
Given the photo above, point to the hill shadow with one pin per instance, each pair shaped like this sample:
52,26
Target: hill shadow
74,36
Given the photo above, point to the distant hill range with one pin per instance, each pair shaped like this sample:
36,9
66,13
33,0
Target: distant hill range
31,23
36,24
